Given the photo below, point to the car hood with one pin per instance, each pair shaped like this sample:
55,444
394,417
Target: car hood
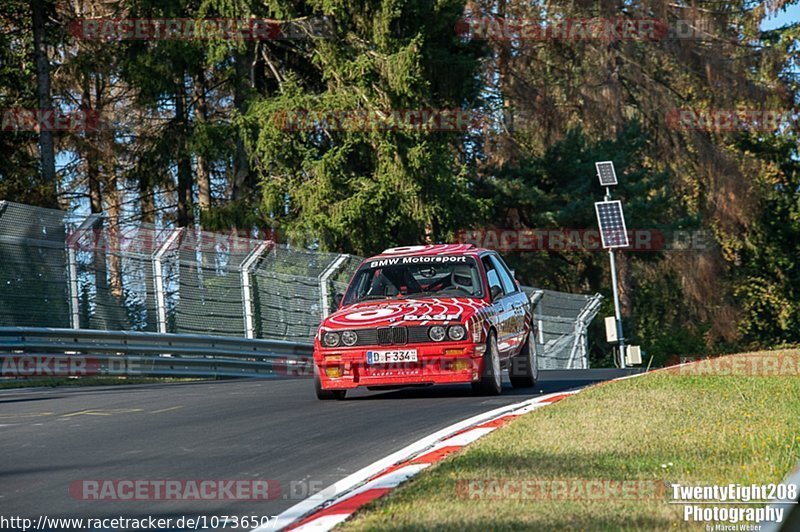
410,311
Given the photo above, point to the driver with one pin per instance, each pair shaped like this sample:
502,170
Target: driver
461,277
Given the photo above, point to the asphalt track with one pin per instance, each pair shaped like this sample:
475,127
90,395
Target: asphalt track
223,430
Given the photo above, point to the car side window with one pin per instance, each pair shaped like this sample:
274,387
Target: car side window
509,286
491,274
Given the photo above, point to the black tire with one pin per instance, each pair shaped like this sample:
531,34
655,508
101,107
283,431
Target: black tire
491,382
524,368
326,395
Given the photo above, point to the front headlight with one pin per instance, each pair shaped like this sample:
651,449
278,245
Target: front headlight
330,339
349,338
456,332
436,333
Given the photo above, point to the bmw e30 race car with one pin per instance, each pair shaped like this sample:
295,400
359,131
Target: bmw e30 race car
421,315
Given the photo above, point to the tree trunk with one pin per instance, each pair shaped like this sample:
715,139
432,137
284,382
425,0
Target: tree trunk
241,165
92,153
200,117
147,200
46,149
625,284
113,232
184,159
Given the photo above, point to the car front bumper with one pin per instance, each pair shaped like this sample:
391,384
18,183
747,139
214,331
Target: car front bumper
441,363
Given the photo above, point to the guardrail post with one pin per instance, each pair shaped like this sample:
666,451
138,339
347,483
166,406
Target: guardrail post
332,268
245,270
158,279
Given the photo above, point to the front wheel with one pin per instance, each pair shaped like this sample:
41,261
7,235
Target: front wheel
326,395
491,382
524,369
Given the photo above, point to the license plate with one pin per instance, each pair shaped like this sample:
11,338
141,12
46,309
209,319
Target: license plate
391,357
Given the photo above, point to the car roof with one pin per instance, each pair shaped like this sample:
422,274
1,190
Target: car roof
430,249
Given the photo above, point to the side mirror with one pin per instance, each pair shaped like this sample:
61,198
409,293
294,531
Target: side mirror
495,292
337,301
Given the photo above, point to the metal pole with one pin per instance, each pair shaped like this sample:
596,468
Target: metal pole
617,314
247,292
74,302
323,285
158,278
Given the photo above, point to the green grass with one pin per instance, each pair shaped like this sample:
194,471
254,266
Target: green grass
661,428
86,381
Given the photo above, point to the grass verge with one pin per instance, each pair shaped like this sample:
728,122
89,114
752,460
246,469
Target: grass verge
541,471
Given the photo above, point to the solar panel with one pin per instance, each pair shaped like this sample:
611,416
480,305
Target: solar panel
606,173
612,224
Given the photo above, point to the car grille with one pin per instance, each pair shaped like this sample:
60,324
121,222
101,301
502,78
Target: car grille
392,336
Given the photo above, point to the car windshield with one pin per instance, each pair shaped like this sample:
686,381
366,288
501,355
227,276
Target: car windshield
433,276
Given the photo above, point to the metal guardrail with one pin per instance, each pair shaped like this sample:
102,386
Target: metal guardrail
151,354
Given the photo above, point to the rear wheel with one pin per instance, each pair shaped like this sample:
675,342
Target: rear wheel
326,395
491,382
524,369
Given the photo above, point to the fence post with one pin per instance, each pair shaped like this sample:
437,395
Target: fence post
72,268
245,268
585,316
74,301
158,279
323,284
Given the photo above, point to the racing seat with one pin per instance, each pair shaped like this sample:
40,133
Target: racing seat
464,277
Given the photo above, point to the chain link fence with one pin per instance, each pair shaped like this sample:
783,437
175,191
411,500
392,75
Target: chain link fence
85,272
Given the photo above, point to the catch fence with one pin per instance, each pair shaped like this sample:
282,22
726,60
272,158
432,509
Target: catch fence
63,270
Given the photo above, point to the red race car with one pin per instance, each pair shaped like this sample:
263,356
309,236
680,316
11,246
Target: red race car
421,315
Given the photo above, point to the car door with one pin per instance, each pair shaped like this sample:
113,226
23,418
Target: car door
516,303
502,310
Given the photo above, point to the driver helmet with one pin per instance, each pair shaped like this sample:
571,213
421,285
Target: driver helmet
461,277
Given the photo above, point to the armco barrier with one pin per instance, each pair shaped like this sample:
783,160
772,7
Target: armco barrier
150,354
